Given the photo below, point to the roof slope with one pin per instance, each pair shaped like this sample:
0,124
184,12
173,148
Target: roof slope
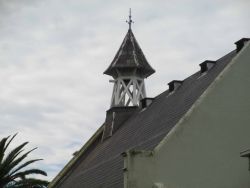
130,55
100,166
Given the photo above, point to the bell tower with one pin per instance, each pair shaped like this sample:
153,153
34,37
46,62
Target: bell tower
129,68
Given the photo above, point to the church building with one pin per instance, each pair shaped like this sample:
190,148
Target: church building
196,134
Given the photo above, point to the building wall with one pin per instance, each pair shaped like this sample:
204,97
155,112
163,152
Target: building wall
203,151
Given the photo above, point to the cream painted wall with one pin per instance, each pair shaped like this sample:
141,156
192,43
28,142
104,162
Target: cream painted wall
203,151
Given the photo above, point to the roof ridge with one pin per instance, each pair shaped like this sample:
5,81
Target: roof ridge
218,60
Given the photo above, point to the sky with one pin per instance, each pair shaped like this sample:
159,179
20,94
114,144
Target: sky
53,53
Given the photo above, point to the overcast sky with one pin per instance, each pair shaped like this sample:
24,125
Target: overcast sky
53,54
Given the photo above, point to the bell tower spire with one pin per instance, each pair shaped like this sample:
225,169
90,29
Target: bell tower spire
129,68
129,21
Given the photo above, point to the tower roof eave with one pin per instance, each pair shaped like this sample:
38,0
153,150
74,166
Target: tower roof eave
113,71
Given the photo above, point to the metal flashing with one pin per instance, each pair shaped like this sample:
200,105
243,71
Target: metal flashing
206,65
241,43
174,85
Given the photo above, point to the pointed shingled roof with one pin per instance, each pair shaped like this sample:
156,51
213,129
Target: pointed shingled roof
129,56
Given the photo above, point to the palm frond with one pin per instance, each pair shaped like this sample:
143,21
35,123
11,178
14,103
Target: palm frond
31,182
11,165
2,148
24,165
14,163
4,145
5,181
7,145
29,172
5,165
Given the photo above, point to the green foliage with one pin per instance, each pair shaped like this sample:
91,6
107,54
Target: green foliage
12,167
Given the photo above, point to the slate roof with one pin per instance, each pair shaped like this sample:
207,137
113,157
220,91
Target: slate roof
101,164
130,56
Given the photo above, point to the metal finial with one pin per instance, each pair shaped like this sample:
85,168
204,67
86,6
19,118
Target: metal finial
129,21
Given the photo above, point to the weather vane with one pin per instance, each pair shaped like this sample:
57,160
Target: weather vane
129,21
